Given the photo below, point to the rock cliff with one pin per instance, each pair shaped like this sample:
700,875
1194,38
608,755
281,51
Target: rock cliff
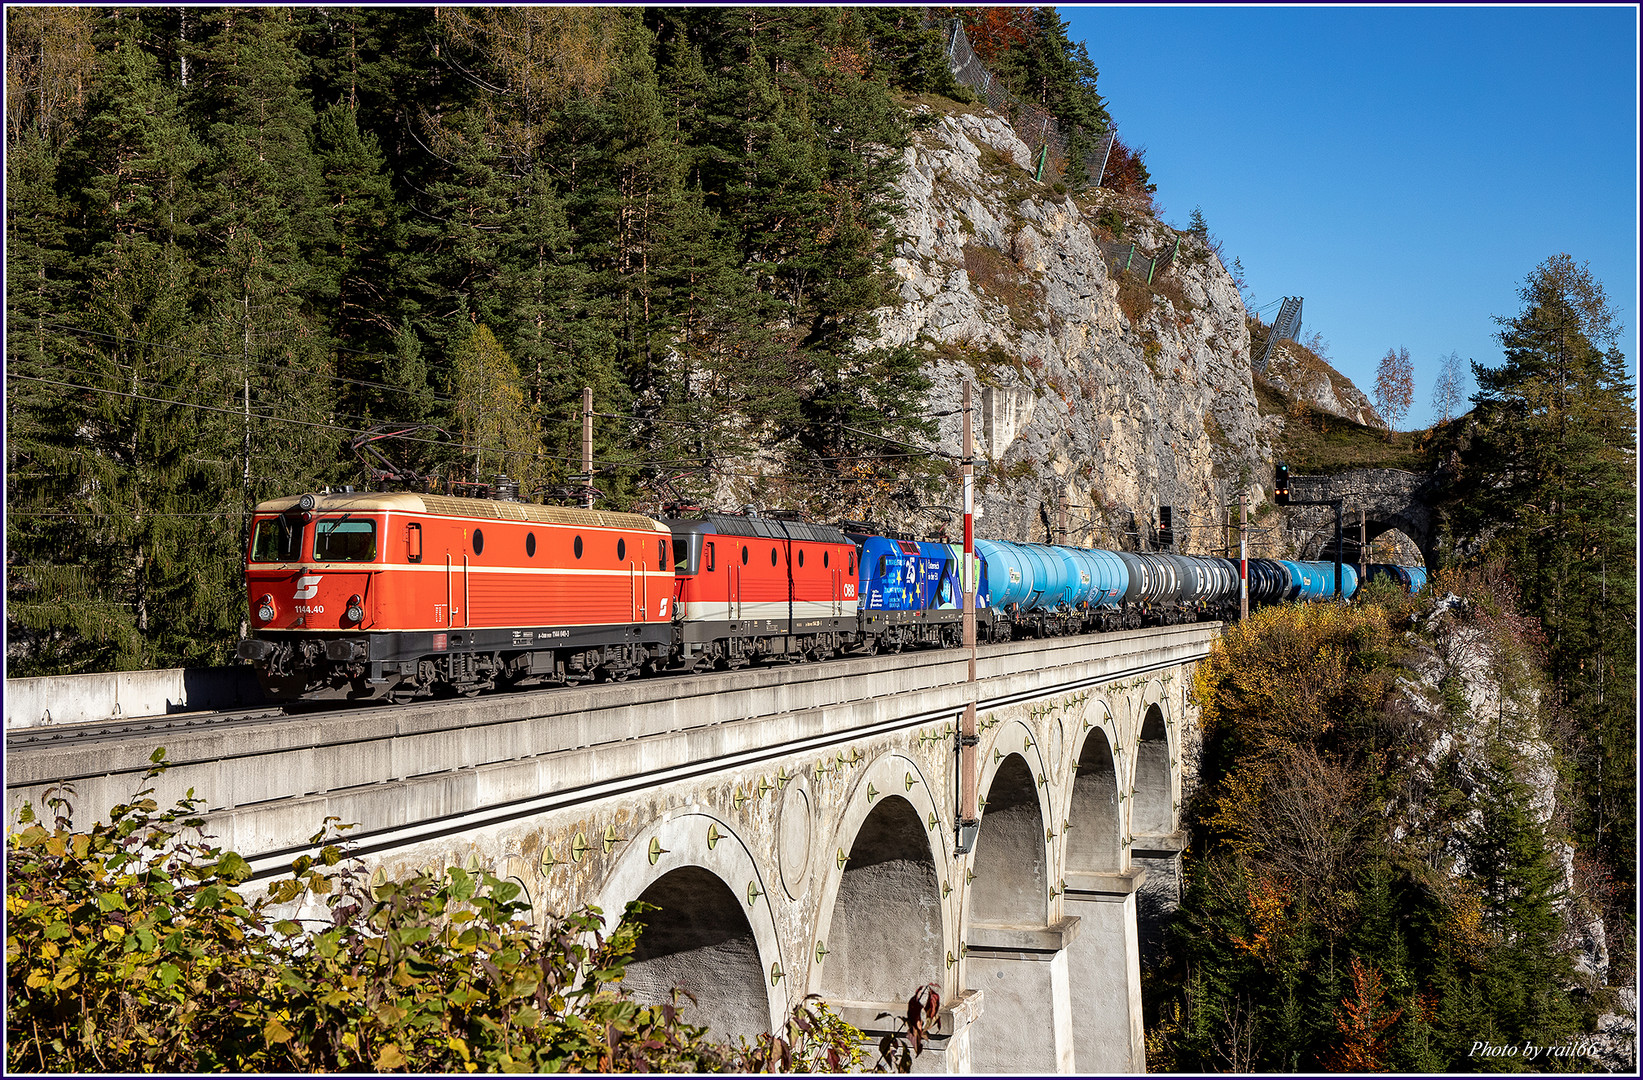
1301,374
1092,384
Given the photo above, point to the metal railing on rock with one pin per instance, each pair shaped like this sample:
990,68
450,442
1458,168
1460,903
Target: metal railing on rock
1036,126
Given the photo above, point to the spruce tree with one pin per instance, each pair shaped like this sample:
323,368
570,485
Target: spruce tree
128,459
1550,473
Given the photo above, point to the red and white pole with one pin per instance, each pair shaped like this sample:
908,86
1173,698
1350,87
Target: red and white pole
1243,557
968,758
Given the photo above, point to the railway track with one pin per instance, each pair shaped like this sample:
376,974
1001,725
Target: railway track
137,728
146,730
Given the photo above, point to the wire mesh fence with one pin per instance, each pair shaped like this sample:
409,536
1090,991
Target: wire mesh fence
1126,255
1054,146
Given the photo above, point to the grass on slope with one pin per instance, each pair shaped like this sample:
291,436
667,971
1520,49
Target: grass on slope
1315,442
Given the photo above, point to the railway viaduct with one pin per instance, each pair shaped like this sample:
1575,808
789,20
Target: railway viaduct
795,826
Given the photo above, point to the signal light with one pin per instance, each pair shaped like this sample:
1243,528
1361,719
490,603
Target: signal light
1280,485
356,608
265,608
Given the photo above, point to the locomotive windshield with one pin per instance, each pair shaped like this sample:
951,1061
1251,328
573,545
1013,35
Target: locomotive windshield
687,552
345,540
277,539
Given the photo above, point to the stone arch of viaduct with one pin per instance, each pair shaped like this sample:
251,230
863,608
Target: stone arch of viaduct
835,874
1391,499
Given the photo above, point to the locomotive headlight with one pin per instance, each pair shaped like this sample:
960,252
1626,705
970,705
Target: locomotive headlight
356,608
306,502
265,608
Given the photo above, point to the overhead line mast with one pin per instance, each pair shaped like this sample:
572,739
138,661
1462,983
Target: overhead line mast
968,740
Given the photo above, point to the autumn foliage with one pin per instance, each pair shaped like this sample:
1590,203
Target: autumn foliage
1362,894
136,946
1362,1022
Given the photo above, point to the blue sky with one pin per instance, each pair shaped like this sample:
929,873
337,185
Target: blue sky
1401,168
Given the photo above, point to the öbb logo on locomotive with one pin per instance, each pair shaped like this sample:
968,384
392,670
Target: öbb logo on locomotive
406,595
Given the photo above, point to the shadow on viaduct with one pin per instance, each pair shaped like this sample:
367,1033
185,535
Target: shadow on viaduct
794,827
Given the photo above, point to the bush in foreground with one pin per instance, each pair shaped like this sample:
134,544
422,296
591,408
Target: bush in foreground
131,948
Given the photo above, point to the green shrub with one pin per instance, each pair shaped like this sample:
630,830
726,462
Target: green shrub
130,947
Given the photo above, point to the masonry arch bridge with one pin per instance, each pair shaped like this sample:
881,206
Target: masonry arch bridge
794,828
1392,500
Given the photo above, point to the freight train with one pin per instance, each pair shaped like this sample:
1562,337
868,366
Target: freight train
398,596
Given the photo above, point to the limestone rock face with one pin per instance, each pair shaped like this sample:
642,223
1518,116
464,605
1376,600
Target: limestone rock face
1003,281
1300,374
1501,701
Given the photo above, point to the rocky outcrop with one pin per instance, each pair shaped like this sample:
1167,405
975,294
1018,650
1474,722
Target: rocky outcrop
1472,691
1117,396
1303,375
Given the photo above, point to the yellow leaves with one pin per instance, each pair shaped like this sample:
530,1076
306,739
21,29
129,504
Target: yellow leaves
1268,898
275,1032
540,55
1282,677
390,1057
1465,933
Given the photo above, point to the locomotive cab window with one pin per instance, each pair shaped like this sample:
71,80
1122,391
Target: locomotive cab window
708,560
345,540
413,542
277,539
687,553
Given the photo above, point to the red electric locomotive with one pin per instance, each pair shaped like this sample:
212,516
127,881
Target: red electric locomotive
396,595
752,587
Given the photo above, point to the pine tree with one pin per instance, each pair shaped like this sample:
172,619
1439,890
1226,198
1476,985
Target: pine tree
1550,472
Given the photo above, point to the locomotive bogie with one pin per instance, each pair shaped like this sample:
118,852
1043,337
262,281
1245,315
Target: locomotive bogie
349,593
